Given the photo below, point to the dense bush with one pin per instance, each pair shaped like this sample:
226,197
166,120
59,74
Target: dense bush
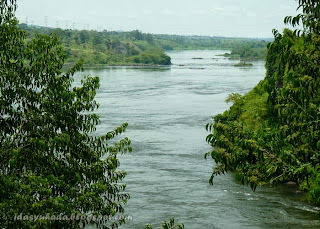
271,134
51,162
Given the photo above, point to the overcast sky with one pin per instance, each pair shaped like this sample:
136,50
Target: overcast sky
232,18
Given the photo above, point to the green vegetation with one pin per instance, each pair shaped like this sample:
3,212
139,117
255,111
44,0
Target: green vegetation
50,160
272,134
230,56
248,51
178,42
254,51
243,48
106,48
137,48
168,225
243,64
52,164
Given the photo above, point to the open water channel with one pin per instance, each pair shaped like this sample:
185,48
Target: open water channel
167,109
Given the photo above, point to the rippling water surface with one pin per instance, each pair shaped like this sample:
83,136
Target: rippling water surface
167,109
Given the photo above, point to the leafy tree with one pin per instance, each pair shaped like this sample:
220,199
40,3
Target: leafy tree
283,145
154,57
250,53
168,225
310,17
97,39
136,34
50,160
84,37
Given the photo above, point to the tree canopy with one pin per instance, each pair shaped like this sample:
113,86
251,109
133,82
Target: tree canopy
271,135
51,162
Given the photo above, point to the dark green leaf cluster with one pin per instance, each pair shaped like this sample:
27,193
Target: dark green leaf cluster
309,18
152,57
272,134
50,160
168,225
252,52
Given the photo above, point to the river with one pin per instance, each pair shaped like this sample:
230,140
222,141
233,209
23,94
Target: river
167,109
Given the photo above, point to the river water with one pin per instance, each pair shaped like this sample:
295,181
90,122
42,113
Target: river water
167,109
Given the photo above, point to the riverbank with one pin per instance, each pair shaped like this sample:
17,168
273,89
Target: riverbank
70,64
270,135
133,47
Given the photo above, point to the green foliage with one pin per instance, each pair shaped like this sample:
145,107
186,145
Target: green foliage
168,225
178,42
50,160
123,48
243,64
106,48
310,17
233,97
152,57
272,134
251,51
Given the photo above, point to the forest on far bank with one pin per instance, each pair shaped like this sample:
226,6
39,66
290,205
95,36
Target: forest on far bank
138,48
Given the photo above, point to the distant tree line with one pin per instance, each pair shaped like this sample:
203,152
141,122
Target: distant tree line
106,48
137,48
251,51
